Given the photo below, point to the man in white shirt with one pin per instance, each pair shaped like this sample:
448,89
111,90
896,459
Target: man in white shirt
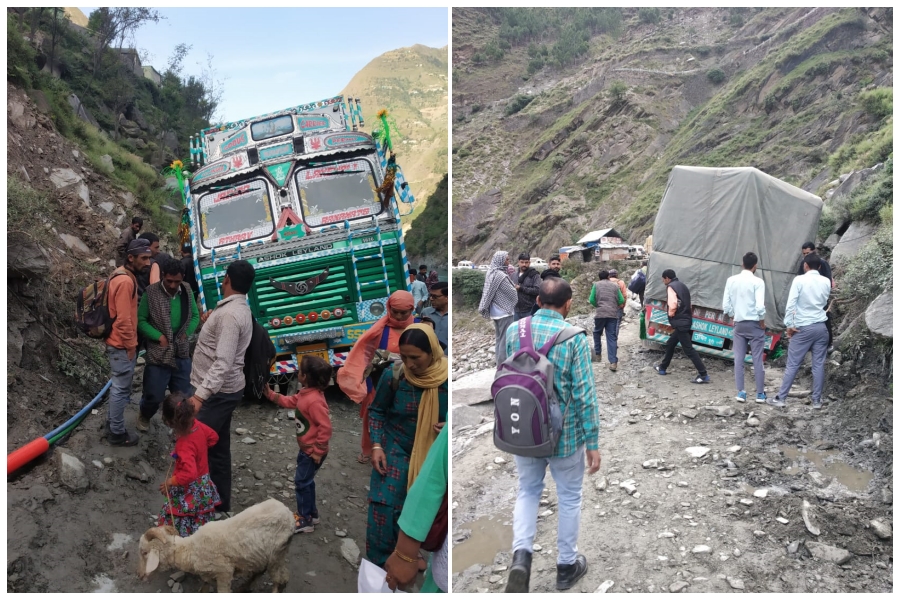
745,300
805,321
419,291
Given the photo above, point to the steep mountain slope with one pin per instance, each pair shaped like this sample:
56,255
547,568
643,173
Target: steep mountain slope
411,83
589,141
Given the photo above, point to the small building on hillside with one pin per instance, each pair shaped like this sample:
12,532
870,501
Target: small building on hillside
152,74
130,59
606,244
576,253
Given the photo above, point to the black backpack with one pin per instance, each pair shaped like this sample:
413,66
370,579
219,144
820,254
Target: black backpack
258,362
638,283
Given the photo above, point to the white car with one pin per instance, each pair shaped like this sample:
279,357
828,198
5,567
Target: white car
538,262
483,267
465,264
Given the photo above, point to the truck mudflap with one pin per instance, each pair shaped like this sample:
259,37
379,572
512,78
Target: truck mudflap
288,364
712,331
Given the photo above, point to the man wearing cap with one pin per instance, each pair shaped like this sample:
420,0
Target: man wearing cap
613,277
121,345
528,286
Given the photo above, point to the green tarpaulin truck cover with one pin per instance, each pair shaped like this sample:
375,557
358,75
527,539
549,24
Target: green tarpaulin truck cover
709,218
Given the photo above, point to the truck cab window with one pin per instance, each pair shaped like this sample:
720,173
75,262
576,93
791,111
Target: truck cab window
238,213
337,192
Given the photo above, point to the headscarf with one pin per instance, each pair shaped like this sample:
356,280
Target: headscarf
495,290
429,405
351,378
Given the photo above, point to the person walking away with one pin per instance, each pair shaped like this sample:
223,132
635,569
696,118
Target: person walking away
805,322
313,434
638,283
573,382
121,345
167,317
126,237
408,412
607,299
745,301
439,312
678,300
552,270
191,496
354,377
528,285
498,301
217,373
419,291
613,276
422,275
824,270
187,265
424,501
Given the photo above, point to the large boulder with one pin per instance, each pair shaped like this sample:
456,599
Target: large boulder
75,244
129,128
80,111
853,180
18,116
66,179
26,259
880,315
856,236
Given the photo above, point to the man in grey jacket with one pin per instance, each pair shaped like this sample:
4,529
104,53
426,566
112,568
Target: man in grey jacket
217,372
528,286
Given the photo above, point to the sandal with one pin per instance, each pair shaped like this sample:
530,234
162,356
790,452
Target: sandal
363,459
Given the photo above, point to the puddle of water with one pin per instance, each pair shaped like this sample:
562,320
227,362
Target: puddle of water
104,584
119,541
855,479
489,536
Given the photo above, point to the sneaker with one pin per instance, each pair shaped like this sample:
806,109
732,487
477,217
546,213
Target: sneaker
830,349
613,366
761,398
129,438
302,524
776,401
659,370
143,423
595,358
701,379
817,403
315,518
741,396
568,575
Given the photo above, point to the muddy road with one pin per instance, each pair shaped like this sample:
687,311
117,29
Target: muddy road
62,541
696,492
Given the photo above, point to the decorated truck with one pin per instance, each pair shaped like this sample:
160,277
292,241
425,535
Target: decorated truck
313,203
708,219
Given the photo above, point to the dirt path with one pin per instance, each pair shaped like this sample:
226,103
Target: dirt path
727,521
60,541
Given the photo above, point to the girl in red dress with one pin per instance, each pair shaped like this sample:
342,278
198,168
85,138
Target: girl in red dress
191,496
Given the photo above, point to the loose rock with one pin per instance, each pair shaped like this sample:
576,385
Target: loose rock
678,586
735,583
882,530
72,474
602,483
838,556
702,549
697,451
499,460
248,440
604,587
807,519
350,552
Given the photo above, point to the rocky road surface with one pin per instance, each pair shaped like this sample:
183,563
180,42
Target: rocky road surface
696,492
73,523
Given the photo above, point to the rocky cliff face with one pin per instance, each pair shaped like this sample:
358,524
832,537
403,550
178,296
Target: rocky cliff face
777,89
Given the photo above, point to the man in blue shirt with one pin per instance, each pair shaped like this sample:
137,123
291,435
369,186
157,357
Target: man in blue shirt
419,291
805,321
745,300
439,312
573,382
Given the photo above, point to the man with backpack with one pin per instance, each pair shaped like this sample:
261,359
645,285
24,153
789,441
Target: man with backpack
638,282
217,371
167,317
121,344
573,430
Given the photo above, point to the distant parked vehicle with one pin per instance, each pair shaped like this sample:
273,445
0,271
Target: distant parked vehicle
538,262
483,267
465,264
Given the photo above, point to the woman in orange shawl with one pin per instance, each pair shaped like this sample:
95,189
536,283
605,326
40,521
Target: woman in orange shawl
351,377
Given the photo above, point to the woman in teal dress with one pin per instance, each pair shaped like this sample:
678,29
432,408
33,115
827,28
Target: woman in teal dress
408,411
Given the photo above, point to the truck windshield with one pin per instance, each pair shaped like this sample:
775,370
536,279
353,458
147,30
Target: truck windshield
337,192
237,213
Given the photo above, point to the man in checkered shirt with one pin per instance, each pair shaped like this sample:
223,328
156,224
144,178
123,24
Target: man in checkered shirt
573,382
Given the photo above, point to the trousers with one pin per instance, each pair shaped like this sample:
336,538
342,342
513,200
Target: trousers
749,332
812,338
216,413
683,337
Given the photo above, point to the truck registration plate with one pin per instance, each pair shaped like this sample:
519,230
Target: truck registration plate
708,340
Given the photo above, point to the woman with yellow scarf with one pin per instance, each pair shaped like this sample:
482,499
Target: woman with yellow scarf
409,409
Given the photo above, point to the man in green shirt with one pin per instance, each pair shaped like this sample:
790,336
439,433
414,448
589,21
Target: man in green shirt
167,316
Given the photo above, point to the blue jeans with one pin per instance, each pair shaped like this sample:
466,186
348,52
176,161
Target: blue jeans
305,485
158,378
120,390
812,338
611,326
568,473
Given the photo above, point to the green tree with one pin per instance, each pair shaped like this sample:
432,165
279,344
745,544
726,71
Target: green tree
617,91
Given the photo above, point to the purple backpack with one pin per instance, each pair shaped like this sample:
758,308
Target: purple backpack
527,417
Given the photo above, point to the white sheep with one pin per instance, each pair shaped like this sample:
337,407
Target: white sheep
248,544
